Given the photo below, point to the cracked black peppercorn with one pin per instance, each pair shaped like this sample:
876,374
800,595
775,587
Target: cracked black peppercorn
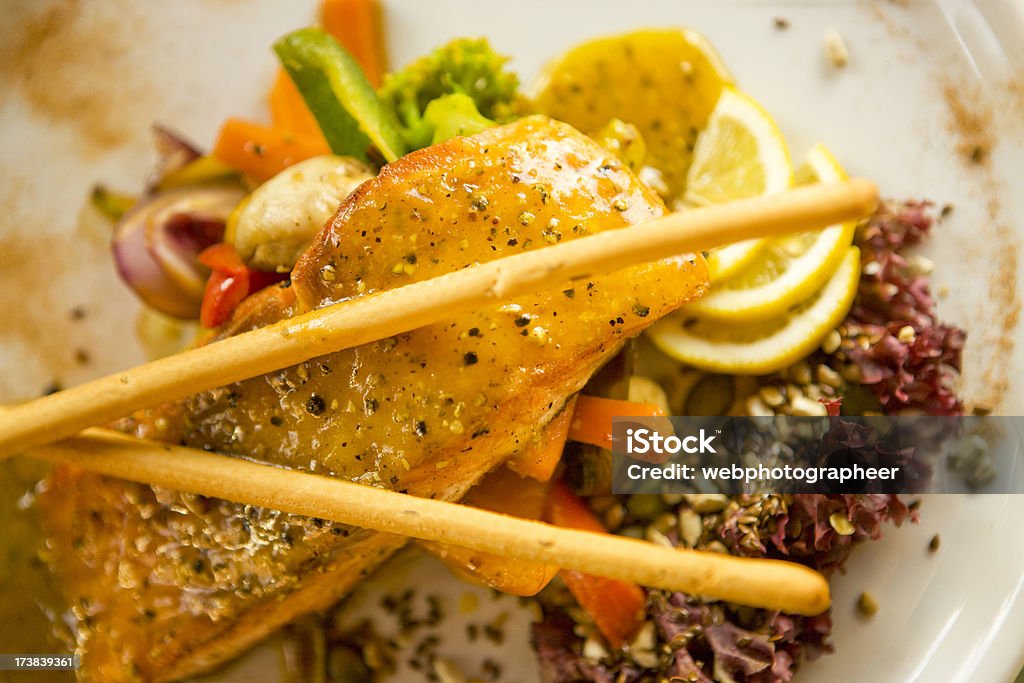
470,358
315,405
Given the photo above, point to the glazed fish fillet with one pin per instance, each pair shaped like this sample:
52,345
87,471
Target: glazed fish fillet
163,584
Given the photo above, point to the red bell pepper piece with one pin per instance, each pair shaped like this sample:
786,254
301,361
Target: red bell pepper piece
229,283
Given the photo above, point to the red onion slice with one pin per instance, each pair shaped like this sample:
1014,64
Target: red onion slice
174,151
156,243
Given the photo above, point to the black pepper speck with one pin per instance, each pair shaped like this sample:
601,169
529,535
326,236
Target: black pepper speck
315,405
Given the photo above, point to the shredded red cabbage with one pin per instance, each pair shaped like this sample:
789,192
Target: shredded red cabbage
914,371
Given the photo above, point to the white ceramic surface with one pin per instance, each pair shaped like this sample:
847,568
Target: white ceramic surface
957,615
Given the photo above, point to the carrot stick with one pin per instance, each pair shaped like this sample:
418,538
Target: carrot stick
539,459
288,111
262,151
592,419
616,606
356,25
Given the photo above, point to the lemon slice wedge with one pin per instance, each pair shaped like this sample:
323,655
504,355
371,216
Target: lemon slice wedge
665,82
740,154
786,270
758,348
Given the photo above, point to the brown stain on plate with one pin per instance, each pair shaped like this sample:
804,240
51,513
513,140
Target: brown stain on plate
976,131
1003,287
978,117
72,62
38,270
970,122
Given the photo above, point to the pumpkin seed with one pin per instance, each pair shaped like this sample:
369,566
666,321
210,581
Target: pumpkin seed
801,405
800,373
711,395
841,523
832,342
866,604
772,396
690,527
828,376
706,503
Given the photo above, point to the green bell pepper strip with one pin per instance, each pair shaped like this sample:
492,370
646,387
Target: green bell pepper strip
339,96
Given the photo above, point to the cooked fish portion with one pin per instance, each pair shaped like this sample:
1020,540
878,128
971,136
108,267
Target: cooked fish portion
166,584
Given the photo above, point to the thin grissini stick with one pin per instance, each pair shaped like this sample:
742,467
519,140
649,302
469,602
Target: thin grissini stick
385,314
770,584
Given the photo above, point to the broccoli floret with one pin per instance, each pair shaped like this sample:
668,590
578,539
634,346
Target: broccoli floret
446,117
465,66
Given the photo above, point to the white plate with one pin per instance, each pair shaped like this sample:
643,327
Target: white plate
112,68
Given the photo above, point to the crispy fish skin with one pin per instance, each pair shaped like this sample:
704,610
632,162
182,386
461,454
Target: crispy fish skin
166,584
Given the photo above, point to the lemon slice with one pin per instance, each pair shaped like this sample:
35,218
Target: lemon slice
786,270
665,82
740,154
758,348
